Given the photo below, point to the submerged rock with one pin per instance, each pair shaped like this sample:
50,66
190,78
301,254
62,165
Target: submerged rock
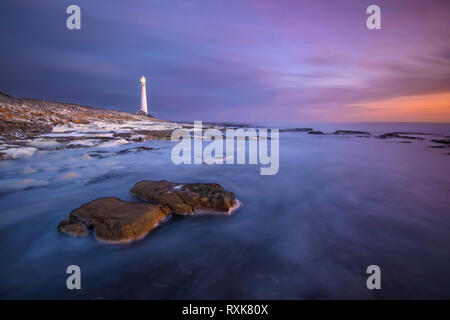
73,228
400,135
443,141
186,199
297,130
100,154
352,132
114,220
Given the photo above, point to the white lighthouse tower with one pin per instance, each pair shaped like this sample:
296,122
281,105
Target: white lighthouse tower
143,97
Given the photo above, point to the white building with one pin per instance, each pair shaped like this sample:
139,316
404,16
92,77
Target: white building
143,96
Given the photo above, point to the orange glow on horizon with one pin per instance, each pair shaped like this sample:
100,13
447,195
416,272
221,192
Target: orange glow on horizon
422,108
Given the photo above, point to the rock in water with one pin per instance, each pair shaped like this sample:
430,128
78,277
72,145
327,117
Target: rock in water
73,228
315,132
351,132
114,220
186,199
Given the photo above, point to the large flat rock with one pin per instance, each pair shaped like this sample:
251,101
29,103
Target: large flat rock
114,220
186,199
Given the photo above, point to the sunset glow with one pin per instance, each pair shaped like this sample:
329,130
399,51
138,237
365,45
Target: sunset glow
287,61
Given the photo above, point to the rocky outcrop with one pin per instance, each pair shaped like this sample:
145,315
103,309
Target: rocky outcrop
19,115
114,220
442,141
315,132
143,135
400,135
26,121
117,221
352,132
186,199
100,154
73,228
297,130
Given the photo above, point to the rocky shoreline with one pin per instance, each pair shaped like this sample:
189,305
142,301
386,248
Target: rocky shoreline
117,221
30,125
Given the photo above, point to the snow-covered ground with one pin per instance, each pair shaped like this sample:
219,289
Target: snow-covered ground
95,134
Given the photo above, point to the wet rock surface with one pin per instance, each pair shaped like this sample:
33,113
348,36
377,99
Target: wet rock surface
442,141
186,199
297,130
352,132
114,220
73,228
400,135
100,154
143,135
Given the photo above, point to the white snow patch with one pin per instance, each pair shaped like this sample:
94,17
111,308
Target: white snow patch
44,143
105,127
138,137
5,146
15,153
114,143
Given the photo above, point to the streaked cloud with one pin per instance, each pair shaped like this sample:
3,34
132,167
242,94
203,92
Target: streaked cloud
234,60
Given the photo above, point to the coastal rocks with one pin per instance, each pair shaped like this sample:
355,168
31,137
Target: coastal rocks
442,141
38,116
400,135
345,132
100,154
73,126
297,130
73,228
117,221
114,220
143,135
315,132
186,199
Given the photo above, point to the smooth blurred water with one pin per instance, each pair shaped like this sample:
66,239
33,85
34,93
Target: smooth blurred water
337,205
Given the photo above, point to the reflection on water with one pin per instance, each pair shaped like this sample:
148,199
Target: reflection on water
337,205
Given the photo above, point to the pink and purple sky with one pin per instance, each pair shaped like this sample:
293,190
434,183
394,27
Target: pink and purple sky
235,60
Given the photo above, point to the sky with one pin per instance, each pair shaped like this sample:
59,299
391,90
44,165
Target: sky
234,60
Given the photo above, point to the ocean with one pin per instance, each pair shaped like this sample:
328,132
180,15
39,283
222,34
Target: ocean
338,204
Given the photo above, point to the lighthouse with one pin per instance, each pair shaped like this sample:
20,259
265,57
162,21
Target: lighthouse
143,97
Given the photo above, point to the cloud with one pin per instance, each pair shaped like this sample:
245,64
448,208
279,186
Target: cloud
241,61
